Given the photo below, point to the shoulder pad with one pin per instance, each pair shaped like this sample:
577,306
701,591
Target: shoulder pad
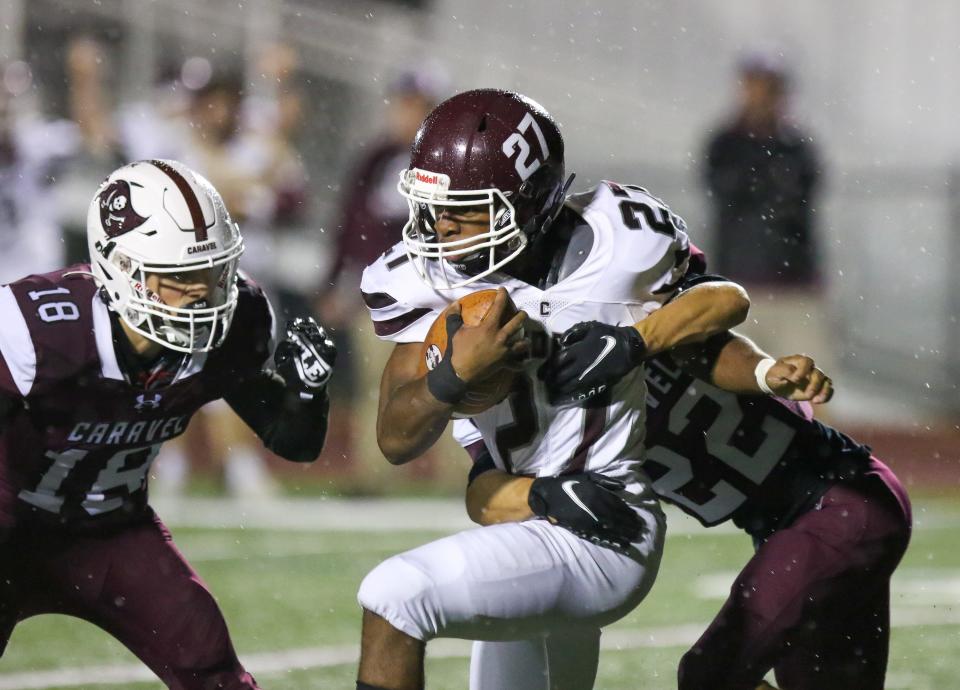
640,249
48,332
644,237
400,303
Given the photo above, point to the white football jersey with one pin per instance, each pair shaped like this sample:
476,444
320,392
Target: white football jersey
638,255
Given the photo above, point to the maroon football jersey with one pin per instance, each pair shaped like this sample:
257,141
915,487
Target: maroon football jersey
756,459
79,442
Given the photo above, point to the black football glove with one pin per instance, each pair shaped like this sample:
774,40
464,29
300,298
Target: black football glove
587,505
305,357
589,358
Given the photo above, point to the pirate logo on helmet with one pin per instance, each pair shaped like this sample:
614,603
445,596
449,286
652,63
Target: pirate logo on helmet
116,212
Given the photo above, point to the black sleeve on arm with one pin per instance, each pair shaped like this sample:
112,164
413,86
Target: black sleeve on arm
692,279
289,426
482,460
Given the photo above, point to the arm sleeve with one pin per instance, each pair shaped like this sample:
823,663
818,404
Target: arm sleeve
693,279
468,436
482,462
293,428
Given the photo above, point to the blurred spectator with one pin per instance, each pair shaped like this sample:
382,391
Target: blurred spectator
371,218
29,236
158,125
373,213
297,258
35,151
245,147
761,173
96,152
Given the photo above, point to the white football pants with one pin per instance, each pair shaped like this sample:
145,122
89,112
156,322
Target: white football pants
523,581
561,660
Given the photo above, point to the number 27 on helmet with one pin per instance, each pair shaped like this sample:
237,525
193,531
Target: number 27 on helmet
483,148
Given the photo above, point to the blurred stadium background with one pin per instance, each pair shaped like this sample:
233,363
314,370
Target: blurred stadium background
637,87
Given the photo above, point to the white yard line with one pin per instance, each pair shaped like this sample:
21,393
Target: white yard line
268,663
271,663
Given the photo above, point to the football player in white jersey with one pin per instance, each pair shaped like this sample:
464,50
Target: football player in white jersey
488,209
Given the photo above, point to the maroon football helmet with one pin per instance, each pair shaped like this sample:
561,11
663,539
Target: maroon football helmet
483,147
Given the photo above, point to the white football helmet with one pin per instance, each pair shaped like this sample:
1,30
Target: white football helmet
159,216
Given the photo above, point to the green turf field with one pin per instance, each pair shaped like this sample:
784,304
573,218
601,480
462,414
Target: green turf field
287,586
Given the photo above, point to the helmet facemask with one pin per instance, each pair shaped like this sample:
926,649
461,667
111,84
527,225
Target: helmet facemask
478,256
198,327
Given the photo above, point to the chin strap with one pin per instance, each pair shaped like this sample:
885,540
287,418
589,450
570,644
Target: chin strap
558,204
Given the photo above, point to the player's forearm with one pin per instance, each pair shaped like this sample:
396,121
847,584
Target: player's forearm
732,362
727,360
496,496
288,425
701,312
735,366
410,422
299,432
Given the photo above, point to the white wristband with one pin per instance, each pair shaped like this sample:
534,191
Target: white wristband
763,366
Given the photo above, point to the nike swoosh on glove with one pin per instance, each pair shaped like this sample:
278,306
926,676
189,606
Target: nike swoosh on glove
587,504
305,357
589,358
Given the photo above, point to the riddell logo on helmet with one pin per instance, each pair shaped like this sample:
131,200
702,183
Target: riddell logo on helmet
427,179
146,292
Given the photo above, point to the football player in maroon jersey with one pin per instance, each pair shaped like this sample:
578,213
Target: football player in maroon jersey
731,436
830,523
99,365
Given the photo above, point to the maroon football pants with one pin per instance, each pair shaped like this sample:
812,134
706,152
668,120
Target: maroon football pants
134,584
814,601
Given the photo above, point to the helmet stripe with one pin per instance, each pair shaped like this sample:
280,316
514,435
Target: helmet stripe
193,204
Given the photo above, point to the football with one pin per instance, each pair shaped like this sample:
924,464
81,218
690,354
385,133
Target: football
484,394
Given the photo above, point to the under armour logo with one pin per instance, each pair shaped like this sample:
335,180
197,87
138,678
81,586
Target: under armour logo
143,401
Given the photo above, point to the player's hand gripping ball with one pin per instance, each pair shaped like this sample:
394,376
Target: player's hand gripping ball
488,389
